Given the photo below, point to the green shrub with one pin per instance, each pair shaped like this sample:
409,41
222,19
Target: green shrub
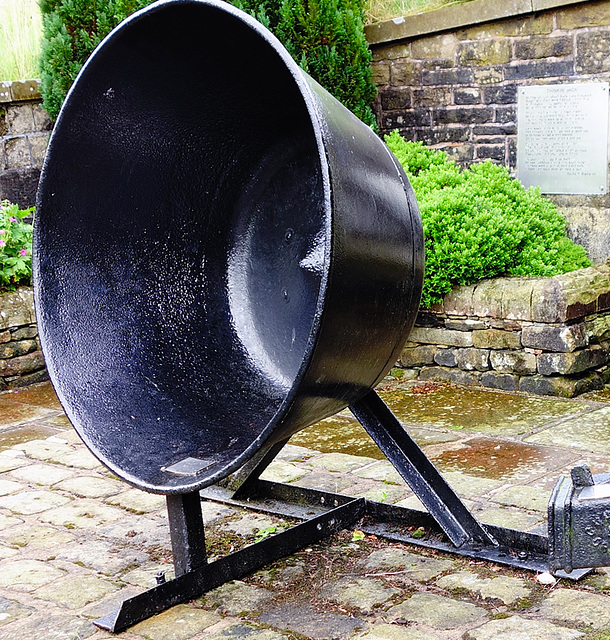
326,38
71,30
15,246
481,223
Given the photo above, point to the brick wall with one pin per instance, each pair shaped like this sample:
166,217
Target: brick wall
449,78
24,133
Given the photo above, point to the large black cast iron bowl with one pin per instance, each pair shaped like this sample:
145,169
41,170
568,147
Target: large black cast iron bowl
223,253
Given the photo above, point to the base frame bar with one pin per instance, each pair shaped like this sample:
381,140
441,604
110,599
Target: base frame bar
198,581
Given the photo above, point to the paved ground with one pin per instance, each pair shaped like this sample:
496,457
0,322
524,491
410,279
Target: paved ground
74,540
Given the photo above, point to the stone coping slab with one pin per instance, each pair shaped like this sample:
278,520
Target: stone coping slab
557,299
454,17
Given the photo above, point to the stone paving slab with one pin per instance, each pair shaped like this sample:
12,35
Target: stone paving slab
75,541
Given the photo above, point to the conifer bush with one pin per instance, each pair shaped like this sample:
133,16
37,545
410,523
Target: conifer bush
481,223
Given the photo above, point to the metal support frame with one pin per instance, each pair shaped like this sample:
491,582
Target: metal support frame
332,512
197,581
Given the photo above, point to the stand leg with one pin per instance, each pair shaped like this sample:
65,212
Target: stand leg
421,475
244,481
186,532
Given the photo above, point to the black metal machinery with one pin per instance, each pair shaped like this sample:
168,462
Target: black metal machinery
216,273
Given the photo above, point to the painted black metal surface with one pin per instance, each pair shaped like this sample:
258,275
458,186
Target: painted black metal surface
579,521
514,548
186,532
421,475
214,273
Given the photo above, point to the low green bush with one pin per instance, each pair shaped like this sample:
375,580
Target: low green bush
15,246
481,223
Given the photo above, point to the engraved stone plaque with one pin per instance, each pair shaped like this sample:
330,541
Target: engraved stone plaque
562,137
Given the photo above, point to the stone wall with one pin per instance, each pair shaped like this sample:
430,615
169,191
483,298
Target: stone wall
547,336
21,361
24,133
449,78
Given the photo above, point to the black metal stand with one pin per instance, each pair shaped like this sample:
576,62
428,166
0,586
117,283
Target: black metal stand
195,576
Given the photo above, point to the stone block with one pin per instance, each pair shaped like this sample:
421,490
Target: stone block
380,74
465,324
560,385
5,92
392,99
431,96
496,339
543,47
363,594
27,380
487,76
506,325
446,337
494,129
447,76
16,348
405,72
505,114
435,47
500,94
429,319
513,362
518,26
456,376
15,310
589,14
485,53
573,362
539,69
458,301
462,154
464,115
417,356
19,185
38,147
437,612
548,301
495,152
22,364
592,52
589,610
597,328
555,338
467,95
42,122
487,298
495,380
508,589
445,357
391,52
21,333
472,359
19,118
409,118
25,90
445,135
17,152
